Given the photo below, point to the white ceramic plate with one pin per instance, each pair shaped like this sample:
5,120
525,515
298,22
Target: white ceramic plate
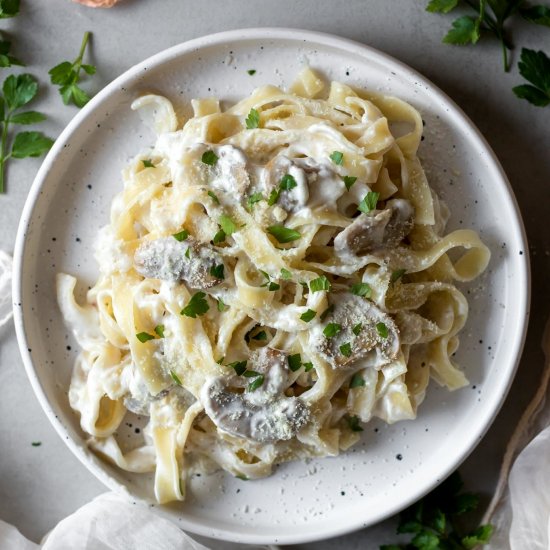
394,465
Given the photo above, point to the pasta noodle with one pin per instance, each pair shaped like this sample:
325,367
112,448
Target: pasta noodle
272,276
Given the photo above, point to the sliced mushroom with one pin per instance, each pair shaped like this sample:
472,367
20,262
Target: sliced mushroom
377,229
290,200
231,172
263,415
171,260
363,332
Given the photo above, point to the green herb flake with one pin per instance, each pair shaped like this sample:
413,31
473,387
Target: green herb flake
219,237
214,197
253,199
286,274
283,234
345,349
9,8
332,329
327,312
308,366
308,315
217,271
221,305
188,253
272,287
181,236
337,157
197,305
36,443
251,374
349,181
397,274
159,331
273,197
361,289
253,119
239,367
242,477
357,329
369,202
144,337
227,224
287,183
147,163
355,425
319,284
294,362
209,157
220,360
256,383
356,381
175,378
262,335
251,72
382,330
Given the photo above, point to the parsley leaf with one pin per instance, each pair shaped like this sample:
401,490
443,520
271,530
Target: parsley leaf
442,6
349,181
251,72
283,234
147,163
382,330
397,274
356,381
256,383
357,329
66,75
337,157
308,315
159,331
361,289
253,199
9,8
209,157
285,273
272,287
144,337
308,366
535,68
221,305
294,362
369,202
332,329
36,443
260,336
6,60
197,305
217,271
181,236
539,15
253,119
321,283
175,378
354,424
287,183
345,349
463,31
219,237
227,224
273,197
239,367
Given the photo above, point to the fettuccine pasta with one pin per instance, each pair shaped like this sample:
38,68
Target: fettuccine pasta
273,275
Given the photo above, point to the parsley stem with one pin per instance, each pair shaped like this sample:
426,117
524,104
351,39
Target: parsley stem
3,153
82,48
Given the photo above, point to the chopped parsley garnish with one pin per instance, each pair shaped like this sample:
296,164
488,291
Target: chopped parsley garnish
253,119
214,197
382,330
287,183
220,360
273,197
227,224
272,287
294,362
159,331
345,349
209,157
239,367
337,157
265,274
221,305
260,336
308,366
250,374
321,283
285,273
354,424
251,72
283,234
144,337
349,181
197,306
369,202
217,271
256,383
356,381
219,237
397,274
327,312
147,163
308,315
332,329
188,253
357,329
242,477
36,443
181,236
361,289
253,199
175,378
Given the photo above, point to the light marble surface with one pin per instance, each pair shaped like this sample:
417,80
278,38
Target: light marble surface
41,485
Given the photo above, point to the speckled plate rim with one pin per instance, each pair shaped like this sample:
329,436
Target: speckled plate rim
456,116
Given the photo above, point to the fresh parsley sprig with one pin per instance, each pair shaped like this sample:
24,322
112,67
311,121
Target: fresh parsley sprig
433,520
8,8
66,75
535,68
18,91
491,16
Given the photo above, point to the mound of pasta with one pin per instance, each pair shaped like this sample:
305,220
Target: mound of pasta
273,276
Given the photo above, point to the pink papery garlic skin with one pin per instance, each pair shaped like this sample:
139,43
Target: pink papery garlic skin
97,3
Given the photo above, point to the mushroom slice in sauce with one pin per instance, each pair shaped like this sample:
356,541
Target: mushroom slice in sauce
263,415
377,229
291,200
172,260
374,342
231,171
